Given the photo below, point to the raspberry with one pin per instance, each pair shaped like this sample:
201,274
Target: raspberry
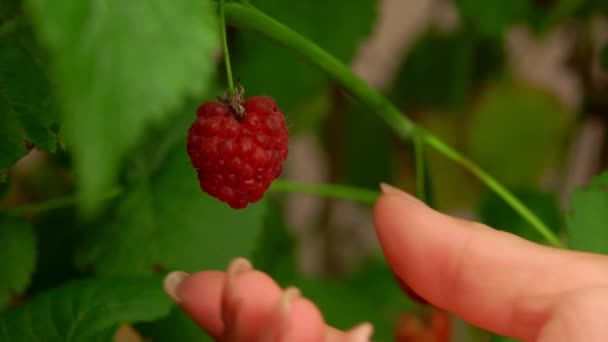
238,150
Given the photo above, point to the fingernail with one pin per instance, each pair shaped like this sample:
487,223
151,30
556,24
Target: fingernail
388,189
237,267
290,294
361,333
284,309
279,324
172,283
231,298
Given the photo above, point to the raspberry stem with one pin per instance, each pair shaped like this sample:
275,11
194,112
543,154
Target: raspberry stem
248,17
359,195
362,196
225,47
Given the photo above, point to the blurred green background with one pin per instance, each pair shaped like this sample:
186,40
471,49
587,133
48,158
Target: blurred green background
98,199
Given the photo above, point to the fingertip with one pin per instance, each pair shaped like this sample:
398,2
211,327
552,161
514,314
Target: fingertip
314,327
200,297
250,302
294,318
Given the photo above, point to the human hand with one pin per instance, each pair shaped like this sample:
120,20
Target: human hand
492,279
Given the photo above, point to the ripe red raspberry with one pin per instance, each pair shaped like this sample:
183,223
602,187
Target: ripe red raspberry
238,150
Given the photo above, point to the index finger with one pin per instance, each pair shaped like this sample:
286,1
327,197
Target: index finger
490,278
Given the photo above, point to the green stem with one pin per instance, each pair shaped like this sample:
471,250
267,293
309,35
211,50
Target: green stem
327,190
279,185
420,167
225,47
248,17
56,203
493,184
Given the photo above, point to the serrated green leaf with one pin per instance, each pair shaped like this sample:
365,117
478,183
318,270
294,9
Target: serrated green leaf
495,212
12,136
119,66
58,233
27,109
166,222
338,26
86,310
587,221
517,131
491,18
17,257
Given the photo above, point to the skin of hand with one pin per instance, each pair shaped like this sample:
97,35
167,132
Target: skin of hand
492,279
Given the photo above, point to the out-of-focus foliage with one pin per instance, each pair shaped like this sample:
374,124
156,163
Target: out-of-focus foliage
105,91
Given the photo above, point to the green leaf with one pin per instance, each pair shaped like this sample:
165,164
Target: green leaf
491,18
275,249
177,327
494,212
166,222
9,9
263,68
517,131
11,136
416,86
58,235
27,108
17,257
370,160
587,221
86,310
119,66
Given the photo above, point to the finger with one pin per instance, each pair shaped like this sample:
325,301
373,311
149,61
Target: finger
227,305
293,319
237,304
490,278
248,300
579,317
199,295
360,333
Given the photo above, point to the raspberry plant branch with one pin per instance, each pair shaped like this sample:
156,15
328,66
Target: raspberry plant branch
326,190
225,47
362,196
493,184
248,17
